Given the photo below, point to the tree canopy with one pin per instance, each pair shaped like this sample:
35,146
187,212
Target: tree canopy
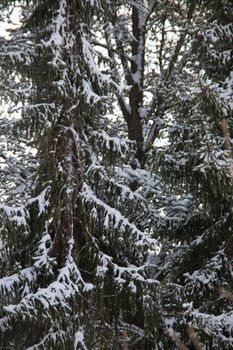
116,174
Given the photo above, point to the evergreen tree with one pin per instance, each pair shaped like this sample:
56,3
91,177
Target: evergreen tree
109,240
201,162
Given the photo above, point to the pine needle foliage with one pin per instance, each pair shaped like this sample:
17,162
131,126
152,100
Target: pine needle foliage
116,175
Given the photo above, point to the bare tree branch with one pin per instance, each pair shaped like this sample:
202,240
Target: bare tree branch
164,80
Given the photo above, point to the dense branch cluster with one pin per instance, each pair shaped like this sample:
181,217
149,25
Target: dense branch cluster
116,175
